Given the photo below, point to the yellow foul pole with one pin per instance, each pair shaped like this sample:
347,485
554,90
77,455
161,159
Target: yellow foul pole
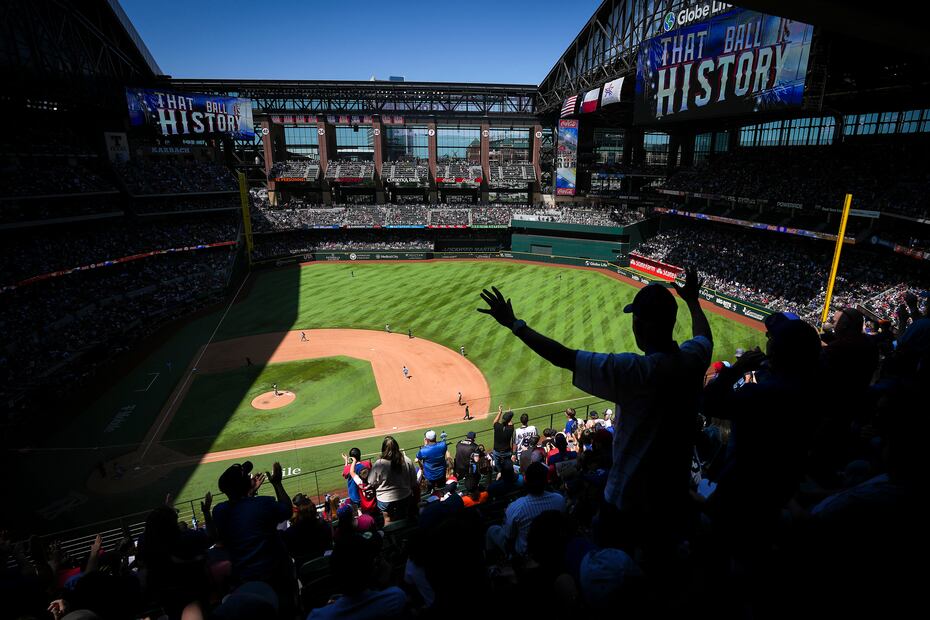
246,217
836,259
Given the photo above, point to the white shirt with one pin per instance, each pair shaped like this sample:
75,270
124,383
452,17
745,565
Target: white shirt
520,434
657,398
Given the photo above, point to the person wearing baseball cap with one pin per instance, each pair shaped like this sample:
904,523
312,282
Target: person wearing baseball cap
659,394
247,524
432,459
463,451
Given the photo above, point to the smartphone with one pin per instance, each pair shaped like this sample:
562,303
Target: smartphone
749,377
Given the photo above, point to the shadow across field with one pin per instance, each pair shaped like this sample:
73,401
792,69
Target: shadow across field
109,453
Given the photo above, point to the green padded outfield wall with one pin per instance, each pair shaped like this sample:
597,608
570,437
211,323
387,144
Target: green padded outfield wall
568,246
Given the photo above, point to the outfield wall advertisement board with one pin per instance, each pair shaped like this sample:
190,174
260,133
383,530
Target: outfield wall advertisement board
654,267
175,113
567,157
736,62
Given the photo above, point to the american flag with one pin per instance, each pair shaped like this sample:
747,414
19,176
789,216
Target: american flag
568,108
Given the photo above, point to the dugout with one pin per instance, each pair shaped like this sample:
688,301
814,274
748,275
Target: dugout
604,243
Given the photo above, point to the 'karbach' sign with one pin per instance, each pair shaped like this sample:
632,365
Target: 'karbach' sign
177,113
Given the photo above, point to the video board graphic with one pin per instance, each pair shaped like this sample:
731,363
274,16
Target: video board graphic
736,63
567,158
177,113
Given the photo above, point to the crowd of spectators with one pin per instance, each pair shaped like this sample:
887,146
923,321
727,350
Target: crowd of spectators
607,215
511,174
51,179
779,271
815,517
308,169
182,204
886,177
407,215
297,243
499,215
458,171
298,214
144,177
449,217
38,210
406,172
60,332
345,171
48,250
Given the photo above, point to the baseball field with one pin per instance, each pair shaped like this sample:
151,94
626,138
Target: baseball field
300,367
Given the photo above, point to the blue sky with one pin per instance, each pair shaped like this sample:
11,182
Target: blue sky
503,41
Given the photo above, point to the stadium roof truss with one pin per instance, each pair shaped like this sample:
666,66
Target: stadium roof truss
605,49
375,97
50,43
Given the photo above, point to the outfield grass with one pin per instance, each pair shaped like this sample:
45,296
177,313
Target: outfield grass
437,301
216,414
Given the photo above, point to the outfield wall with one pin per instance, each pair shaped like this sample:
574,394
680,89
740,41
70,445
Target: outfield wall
742,307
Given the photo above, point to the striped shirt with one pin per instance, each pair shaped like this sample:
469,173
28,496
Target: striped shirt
521,513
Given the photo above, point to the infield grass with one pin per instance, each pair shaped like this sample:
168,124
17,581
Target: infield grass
330,394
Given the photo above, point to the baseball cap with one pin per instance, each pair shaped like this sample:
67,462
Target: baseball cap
654,303
470,434
774,320
430,435
231,482
604,573
301,500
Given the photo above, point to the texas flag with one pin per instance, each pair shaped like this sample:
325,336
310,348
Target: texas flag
589,103
611,92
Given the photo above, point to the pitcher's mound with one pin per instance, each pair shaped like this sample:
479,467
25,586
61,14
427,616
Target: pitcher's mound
269,401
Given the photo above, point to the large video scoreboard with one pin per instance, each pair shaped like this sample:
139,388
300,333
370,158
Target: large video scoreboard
734,63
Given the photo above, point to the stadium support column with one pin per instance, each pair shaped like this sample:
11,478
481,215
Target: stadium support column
685,144
326,136
585,161
485,157
377,129
535,197
431,151
274,150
